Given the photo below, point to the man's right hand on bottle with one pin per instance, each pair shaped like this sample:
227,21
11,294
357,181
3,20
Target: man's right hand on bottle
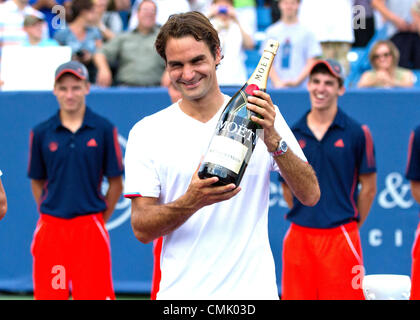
202,192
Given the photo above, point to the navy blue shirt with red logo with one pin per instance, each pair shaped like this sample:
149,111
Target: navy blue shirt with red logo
74,164
412,171
344,152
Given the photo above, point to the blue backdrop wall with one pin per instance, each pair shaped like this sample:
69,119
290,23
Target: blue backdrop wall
387,235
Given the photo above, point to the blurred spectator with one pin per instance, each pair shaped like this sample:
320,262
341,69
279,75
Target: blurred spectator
122,5
133,53
233,40
82,35
107,19
33,27
401,29
415,13
385,71
12,14
200,5
364,17
246,12
174,94
164,9
332,23
274,8
47,8
298,47
3,199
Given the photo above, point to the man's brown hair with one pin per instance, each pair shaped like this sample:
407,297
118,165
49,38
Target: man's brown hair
181,25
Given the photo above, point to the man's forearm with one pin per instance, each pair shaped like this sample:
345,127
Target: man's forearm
37,186
364,203
300,177
100,61
381,7
150,220
112,196
366,195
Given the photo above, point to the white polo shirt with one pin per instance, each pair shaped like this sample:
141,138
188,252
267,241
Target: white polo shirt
222,251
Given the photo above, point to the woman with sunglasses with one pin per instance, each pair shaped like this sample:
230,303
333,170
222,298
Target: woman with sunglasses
385,73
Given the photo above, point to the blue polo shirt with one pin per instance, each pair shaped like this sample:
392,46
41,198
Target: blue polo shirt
73,164
412,171
345,151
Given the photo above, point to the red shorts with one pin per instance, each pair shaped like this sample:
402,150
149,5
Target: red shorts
74,256
415,267
322,264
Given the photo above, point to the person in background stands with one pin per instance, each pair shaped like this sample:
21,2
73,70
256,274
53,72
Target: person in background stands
298,47
234,40
200,5
50,9
12,15
322,253
385,73
401,30
109,22
33,26
82,35
133,54
415,13
332,23
70,153
246,12
364,23
164,9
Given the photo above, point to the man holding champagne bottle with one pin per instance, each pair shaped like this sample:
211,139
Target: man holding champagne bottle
215,237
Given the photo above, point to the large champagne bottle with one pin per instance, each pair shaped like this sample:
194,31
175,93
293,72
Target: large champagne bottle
235,136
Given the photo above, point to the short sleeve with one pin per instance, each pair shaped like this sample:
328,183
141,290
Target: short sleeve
111,49
368,160
113,166
61,37
141,174
97,35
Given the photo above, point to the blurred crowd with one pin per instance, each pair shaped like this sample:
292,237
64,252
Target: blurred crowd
115,38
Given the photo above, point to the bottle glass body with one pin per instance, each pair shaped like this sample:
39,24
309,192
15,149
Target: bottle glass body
236,135
233,142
